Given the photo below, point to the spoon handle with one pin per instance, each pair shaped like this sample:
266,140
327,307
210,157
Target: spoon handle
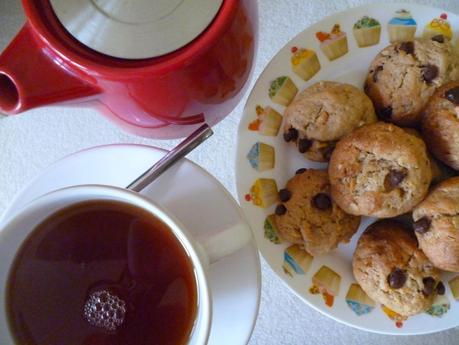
181,150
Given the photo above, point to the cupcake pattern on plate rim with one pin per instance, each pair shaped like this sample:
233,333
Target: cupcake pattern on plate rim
305,63
367,31
333,44
359,301
440,28
326,282
402,27
310,118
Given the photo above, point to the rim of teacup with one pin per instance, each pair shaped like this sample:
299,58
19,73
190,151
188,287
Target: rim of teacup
80,193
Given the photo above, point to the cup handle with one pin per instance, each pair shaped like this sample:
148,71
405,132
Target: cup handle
225,242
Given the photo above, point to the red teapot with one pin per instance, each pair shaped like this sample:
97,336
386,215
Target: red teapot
156,68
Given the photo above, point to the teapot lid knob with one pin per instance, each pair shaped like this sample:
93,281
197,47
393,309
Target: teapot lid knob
135,29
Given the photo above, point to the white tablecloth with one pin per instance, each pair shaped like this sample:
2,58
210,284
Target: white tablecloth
30,142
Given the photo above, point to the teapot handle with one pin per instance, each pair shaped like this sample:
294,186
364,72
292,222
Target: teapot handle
33,75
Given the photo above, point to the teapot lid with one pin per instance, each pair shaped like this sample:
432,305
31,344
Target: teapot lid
135,29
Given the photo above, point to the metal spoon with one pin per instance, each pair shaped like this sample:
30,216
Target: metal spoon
181,150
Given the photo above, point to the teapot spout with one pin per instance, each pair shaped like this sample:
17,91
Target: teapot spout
32,75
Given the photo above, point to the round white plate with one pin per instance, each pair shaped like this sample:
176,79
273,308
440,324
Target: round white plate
352,68
196,198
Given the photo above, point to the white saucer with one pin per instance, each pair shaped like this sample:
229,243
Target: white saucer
196,198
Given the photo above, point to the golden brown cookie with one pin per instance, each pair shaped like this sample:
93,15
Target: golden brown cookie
403,76
309,216
436,224
392,270
322,114
440,124
379,170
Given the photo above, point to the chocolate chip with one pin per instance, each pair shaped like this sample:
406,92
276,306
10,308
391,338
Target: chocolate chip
429,285
287,137
321,201
285,195
377,71
393,179
407,47
385,113
429,73
291,135
452,95
440,288
300,171
422,225
280,210
304,145
396,279
439,38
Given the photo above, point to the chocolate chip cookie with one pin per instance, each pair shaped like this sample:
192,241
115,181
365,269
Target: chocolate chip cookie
392,270
436,223
322,114
379,170
440,124
307,215
403,77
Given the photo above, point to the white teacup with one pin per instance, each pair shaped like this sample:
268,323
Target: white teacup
202,252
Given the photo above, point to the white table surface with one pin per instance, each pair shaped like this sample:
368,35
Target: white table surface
32,141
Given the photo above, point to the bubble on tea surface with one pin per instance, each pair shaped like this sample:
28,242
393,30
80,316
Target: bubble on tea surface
105,310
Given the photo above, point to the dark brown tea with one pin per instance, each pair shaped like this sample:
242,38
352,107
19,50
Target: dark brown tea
101,273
